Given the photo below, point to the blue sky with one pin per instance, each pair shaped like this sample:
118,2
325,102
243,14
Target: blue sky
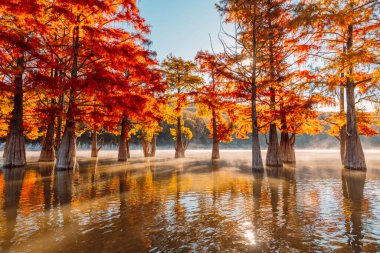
181,27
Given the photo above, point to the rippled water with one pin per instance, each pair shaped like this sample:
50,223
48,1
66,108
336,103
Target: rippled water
191,205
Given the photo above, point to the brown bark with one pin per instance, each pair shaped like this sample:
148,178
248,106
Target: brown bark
94,144
153,147
354,152
287,148
123,154
128,149
149,147
257,160
47,150
274,157
343,129
145,146
180,146
6,144
287,142
66,155
58,136
15,154
215,140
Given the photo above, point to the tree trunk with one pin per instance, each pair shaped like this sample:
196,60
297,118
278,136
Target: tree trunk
15,155
215,140
47,151
94,144
273,154
123,155
128,149
149,148
153,146
343,129
287,148
58,136
66,155
354,152
257,160
179,148
145,146
274,157
6,144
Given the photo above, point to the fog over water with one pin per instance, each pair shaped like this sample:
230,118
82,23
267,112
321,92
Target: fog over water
162,204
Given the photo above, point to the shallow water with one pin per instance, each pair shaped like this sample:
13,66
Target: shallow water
191,205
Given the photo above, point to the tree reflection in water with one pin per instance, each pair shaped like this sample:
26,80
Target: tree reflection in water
13,179
353,190
192,205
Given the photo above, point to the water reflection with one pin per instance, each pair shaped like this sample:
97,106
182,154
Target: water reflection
12,185
196,205
353,191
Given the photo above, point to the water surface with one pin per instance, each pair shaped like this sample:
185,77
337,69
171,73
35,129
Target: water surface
191,205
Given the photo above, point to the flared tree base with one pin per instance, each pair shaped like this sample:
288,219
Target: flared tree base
47,155
15,154
179,154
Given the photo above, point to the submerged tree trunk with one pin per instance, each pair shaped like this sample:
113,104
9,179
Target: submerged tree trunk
145,146
94,144
274,157
15,154
179,147
287,142
149,148
58,136
215,140
343,129
66,155
128,149
6,144
257,160
287,148
47,150
354,152
123,154
154,147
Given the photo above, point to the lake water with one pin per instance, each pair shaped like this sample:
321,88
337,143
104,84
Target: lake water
191,205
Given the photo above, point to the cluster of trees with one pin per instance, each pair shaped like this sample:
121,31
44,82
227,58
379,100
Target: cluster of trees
290,57
72,67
